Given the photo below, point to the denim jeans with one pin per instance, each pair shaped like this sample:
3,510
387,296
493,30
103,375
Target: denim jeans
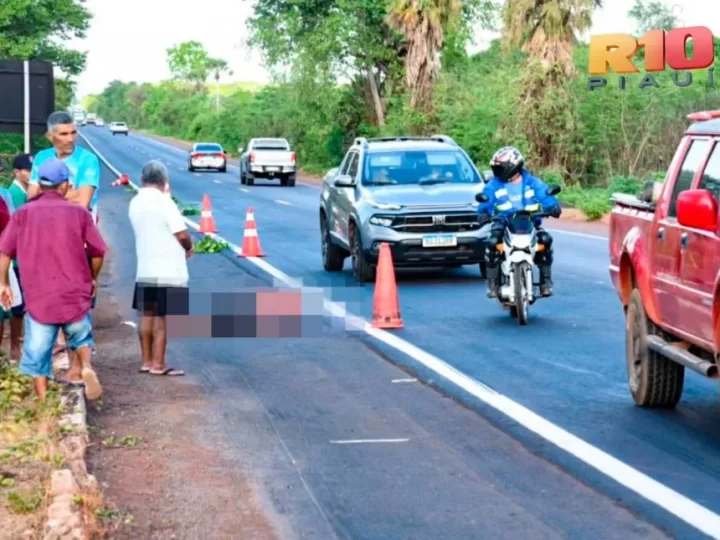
40,339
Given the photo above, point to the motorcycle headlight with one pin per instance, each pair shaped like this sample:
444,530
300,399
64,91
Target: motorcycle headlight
381,220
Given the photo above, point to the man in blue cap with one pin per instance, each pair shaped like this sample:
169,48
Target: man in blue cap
48,236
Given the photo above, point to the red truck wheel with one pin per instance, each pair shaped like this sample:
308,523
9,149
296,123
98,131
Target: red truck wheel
654,380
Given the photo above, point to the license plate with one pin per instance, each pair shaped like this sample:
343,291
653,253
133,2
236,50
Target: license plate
272,169
439,240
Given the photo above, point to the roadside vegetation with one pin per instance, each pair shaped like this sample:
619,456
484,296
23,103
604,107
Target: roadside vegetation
366,69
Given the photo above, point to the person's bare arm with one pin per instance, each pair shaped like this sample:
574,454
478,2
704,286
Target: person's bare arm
82,195
33,191
185,241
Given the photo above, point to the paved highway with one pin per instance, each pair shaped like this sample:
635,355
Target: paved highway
465,472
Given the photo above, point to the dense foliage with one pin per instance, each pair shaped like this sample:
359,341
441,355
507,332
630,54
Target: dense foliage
335,82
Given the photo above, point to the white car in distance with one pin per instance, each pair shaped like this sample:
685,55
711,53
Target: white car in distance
119,128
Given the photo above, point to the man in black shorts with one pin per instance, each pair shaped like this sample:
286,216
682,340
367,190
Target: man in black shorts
162,246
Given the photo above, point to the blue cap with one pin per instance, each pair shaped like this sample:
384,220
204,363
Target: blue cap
53,172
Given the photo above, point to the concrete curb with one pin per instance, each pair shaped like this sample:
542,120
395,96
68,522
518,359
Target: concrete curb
65,519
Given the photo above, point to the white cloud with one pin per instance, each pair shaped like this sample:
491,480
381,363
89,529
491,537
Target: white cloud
128,39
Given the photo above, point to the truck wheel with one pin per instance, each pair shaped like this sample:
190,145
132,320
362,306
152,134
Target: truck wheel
362,269
333,257
291,180
249,180
654,380
283,181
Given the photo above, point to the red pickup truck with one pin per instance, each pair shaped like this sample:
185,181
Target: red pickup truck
665,266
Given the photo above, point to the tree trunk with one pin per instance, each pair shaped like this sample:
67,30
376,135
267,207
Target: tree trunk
376,97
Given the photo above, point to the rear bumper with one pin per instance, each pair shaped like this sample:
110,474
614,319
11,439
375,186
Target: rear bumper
272,171
409,252
219,164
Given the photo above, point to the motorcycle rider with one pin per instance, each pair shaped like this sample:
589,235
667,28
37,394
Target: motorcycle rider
513,188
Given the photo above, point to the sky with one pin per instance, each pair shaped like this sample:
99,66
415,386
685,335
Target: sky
128,39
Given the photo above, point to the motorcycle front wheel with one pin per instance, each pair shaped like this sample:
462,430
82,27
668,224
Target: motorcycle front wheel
522,300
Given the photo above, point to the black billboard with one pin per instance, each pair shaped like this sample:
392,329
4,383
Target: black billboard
12,96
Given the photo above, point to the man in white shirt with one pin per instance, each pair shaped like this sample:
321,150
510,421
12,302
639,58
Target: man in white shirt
162,246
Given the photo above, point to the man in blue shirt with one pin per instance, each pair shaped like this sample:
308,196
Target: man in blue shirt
84,165
84,169
513,188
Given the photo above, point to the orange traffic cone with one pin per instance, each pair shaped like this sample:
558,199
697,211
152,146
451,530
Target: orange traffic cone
251,241
386,304
207,221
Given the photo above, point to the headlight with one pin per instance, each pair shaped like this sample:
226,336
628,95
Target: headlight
383,206
383,221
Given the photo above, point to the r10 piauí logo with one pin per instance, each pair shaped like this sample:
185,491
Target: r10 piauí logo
662,50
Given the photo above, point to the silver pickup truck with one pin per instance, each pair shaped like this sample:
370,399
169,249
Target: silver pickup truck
268,158
416,194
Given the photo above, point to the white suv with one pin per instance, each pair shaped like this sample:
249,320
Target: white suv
119,127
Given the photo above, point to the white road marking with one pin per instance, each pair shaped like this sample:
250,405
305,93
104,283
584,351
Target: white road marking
582,235
395,381
217,181
670,500
130,323
369,441
198,175
245,190
283,202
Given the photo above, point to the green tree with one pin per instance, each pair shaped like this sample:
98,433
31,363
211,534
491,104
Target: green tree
36,30
190,62
652,15
547,30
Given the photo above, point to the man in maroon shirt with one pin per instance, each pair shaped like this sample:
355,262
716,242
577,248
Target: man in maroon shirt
48,235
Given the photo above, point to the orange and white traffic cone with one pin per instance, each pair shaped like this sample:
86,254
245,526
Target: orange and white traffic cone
251,241
386,304
207,221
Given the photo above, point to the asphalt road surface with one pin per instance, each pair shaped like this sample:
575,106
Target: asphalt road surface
490,462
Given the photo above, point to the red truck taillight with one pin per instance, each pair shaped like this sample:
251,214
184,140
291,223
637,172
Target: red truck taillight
251,158
293,157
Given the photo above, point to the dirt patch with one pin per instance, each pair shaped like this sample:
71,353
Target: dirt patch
158,478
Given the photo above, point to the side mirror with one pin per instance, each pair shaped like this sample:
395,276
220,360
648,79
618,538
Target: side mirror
482,197
331,172
344,181
697,209
240,150
553,190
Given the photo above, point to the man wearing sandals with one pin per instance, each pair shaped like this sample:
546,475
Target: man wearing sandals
162,247
48,236
84,169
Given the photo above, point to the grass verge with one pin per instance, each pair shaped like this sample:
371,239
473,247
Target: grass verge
29,451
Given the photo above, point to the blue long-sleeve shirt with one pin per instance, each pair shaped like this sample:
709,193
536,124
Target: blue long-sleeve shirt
505,198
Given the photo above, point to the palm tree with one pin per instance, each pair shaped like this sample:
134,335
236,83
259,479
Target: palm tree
548,29
423,23
217,66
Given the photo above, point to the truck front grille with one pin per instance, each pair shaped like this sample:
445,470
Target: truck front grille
425,223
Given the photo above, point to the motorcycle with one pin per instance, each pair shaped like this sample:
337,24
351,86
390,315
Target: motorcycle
518,289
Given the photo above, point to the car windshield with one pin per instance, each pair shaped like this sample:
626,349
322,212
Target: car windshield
208,148
423,167
270,144
120,124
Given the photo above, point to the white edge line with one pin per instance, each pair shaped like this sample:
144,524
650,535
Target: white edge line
670,500
130,323
368,441
283,202
395,381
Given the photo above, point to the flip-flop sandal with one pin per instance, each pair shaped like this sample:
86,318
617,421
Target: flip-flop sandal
74,384
169,372
144,370
93,390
